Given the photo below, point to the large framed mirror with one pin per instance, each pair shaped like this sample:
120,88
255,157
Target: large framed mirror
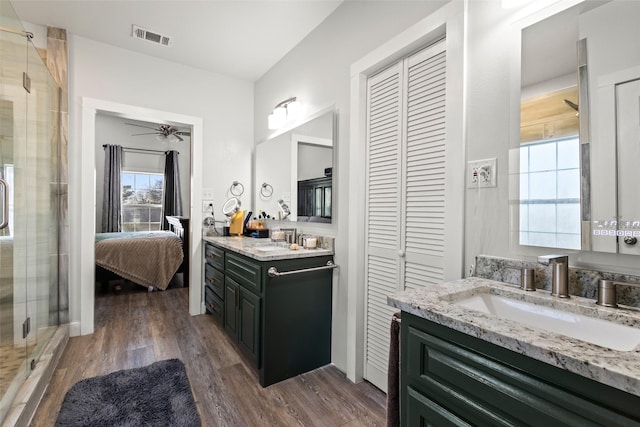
293,169
571,171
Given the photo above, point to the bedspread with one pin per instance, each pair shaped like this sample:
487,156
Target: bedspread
149,259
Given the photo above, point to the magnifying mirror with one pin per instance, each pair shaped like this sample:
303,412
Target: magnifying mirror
231,207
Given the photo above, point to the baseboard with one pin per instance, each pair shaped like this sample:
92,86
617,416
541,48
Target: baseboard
74,329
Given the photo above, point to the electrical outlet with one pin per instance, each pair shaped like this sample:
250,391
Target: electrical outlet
481,173
207,205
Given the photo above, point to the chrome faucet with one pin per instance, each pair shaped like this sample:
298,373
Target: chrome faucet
559,274
607,292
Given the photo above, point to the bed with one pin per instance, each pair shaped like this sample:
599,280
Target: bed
150,259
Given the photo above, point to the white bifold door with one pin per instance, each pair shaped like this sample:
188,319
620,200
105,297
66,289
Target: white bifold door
406,180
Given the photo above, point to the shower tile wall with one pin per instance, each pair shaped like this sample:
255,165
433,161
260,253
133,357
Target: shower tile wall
57,60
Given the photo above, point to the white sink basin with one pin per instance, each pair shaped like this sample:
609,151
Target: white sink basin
596,331
269,248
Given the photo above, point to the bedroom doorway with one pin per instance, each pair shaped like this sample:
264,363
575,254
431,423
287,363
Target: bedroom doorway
153,170
94,113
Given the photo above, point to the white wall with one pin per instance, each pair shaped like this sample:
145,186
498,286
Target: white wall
103,72
317,72
491,43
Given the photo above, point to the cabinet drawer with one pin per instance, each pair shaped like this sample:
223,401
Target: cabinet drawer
244,271
213,304
486,385
214,256
422,411
214,279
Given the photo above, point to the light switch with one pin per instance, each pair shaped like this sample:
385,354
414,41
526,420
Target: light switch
207,194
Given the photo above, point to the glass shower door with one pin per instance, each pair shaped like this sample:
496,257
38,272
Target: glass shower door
29,193
13,243
39,205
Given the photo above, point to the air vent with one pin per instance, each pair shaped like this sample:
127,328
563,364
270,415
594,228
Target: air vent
150,36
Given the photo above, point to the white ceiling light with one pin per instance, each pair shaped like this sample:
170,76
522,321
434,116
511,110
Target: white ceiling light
286,111
277,118
294,110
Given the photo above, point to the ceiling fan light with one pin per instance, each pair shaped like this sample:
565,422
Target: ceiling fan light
173,138
160,137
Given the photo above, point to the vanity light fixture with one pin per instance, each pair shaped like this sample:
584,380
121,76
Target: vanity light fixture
286,111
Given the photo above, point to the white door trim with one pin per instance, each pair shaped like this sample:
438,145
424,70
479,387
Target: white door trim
87,226
447,20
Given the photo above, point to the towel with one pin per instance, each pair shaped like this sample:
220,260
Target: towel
393,374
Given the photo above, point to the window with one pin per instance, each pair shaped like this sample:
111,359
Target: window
142,201
550,193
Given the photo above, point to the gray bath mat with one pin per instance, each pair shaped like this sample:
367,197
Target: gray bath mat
154,395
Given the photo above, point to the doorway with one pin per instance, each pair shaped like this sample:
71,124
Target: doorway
87,229
145,149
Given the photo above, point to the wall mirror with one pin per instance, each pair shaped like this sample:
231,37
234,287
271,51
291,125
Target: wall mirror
294,167
571,182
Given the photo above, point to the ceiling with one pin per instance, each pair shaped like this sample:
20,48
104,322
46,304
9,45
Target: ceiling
238,38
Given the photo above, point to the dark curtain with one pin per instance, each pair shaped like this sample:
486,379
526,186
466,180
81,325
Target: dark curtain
172,203
111,198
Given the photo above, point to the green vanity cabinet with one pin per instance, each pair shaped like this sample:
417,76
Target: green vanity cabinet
296,319
451,379
242,318
214,282
231,292
281,324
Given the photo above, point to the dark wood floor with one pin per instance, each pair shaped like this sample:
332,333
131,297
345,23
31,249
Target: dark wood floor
135,328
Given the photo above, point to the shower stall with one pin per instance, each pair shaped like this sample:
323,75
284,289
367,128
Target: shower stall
31,108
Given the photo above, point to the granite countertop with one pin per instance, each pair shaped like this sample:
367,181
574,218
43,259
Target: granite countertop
264,249
619,369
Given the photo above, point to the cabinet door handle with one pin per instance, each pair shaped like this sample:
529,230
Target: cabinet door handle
211,280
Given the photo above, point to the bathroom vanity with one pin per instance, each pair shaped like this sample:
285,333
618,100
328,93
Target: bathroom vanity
464,364
275,303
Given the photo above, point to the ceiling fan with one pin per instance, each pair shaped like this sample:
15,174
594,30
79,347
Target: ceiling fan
163,132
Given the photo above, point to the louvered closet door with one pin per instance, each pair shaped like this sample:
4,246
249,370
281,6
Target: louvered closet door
405,191
424,179
384,153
